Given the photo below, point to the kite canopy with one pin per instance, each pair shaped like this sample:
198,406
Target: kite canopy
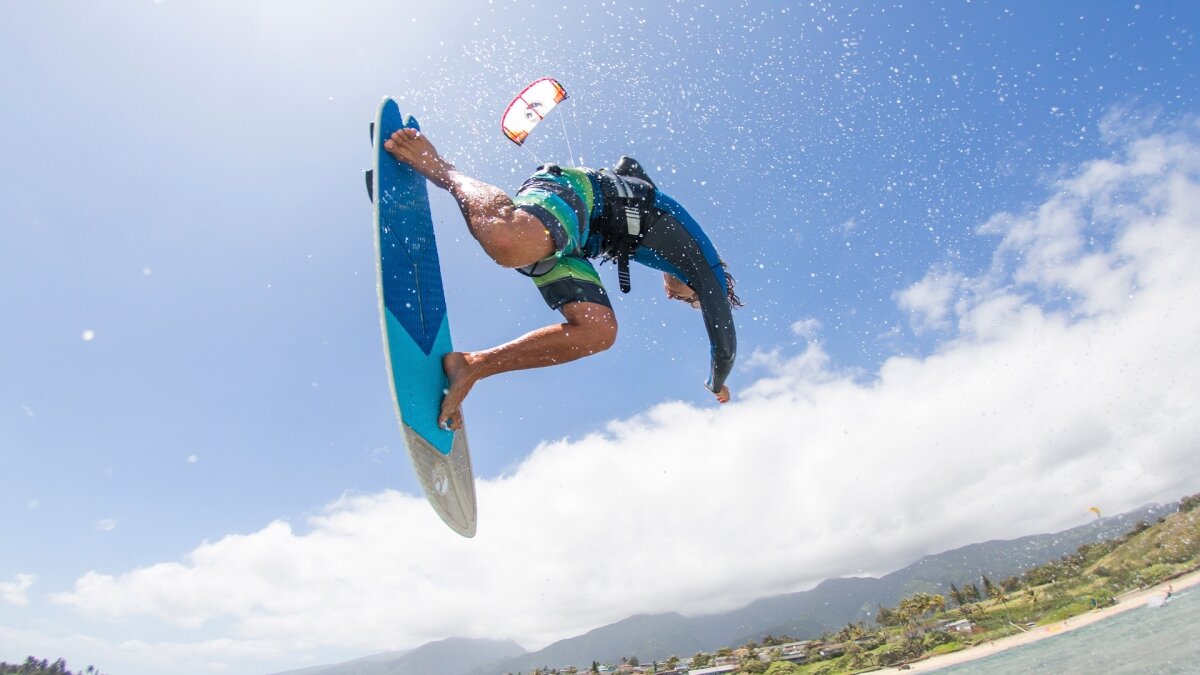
530,107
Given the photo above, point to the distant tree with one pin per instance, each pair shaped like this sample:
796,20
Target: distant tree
700,660
916,608
1011,584
35,666
958,595
752,648
972,592
1045,573
672,661
1033,597
937,603
752,665
595,667
850,632
988,586
999,595
1189,503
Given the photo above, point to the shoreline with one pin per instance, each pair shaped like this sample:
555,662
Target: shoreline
1125,602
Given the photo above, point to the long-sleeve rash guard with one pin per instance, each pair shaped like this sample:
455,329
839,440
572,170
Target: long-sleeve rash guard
675,244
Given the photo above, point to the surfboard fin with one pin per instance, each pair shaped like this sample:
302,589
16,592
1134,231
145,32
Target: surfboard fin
370,173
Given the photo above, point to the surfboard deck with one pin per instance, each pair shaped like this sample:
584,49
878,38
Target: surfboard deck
416,326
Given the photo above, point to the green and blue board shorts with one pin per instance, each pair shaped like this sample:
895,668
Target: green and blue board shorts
565,200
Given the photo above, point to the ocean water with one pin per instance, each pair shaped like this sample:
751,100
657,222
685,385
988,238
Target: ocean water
1149,640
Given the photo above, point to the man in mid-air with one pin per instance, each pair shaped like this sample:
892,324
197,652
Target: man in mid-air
559,220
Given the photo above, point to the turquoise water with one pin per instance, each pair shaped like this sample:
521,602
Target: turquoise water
1144,640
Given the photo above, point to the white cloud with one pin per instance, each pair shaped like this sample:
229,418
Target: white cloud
809,329
15,592
1069,383
207,656
931,300
106,524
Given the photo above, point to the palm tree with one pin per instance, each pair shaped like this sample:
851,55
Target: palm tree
913,610
851,632
937,603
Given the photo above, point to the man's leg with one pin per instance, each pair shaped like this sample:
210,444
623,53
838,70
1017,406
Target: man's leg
589,328
513,238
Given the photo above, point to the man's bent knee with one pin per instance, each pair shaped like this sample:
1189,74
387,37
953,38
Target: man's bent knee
596,325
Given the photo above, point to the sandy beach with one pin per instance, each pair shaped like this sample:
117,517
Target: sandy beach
1125,602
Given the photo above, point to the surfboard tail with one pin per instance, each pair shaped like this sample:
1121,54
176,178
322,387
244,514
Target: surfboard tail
447,479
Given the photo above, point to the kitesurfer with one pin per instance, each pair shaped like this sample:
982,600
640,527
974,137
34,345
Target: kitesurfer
558,220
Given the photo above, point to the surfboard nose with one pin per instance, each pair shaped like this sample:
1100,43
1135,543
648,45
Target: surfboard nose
447,479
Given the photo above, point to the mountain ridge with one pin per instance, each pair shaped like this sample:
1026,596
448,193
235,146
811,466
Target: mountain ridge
451,655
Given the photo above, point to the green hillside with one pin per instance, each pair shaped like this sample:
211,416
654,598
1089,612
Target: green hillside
924,624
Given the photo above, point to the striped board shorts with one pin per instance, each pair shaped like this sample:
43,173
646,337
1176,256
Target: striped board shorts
565,201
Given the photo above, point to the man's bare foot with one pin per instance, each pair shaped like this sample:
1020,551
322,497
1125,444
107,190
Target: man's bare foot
414,149
461,375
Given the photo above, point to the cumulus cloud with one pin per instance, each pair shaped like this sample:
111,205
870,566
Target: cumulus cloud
15,592
809,329
1066,380
203,656
931,300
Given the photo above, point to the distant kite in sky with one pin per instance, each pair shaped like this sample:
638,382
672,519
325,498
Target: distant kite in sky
530,107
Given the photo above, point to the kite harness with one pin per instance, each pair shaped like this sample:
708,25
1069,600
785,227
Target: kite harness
629,196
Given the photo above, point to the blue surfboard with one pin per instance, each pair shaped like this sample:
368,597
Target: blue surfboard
416,326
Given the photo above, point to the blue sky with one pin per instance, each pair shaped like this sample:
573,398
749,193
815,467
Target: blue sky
962,231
